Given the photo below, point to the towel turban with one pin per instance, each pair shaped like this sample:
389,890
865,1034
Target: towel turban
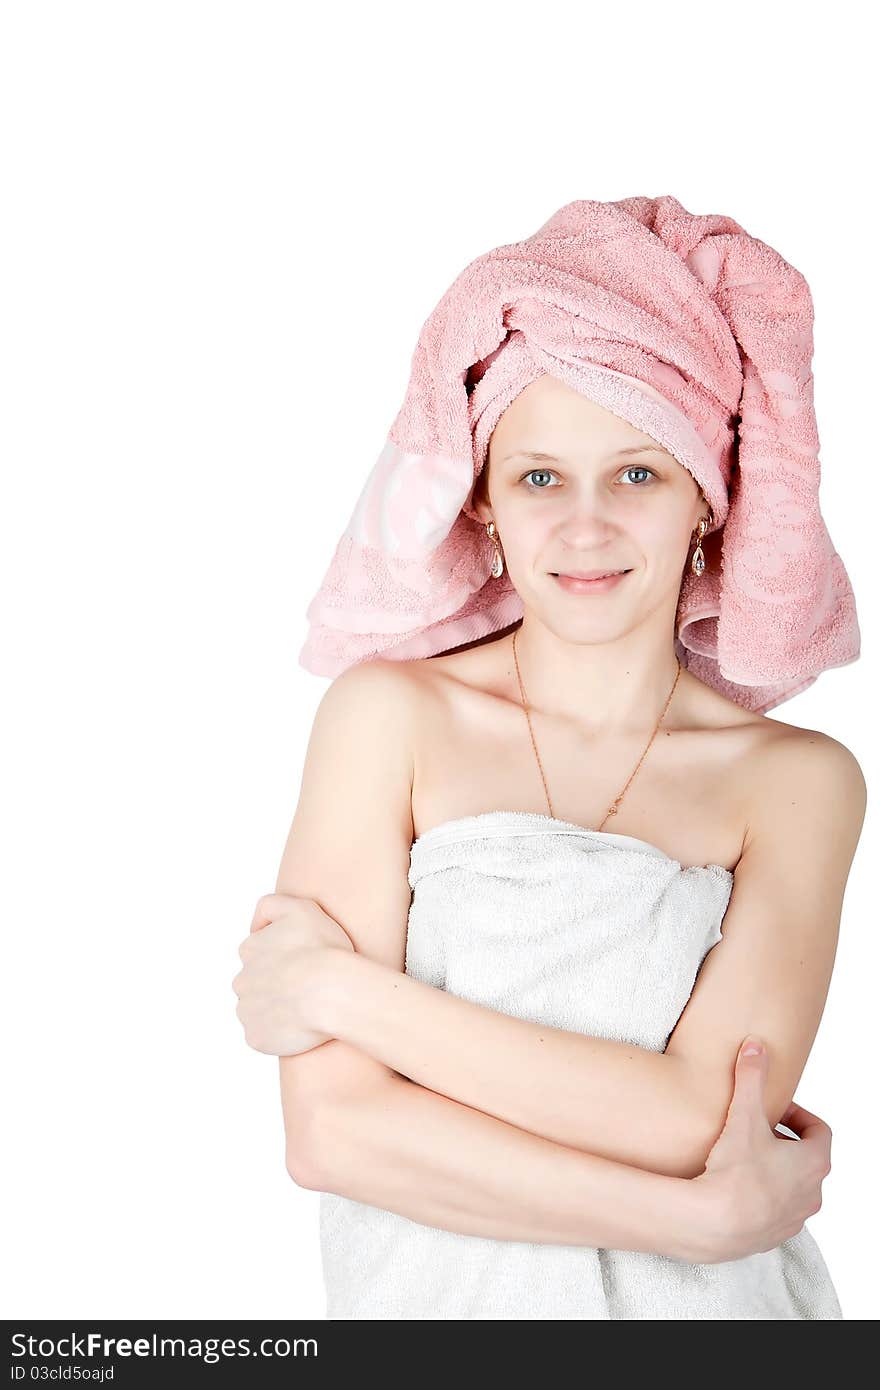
694,332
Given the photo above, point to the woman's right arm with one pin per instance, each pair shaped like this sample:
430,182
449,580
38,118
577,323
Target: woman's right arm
399,1146
396,1145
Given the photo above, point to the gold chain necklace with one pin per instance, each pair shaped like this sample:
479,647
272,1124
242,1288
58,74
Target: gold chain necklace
612,810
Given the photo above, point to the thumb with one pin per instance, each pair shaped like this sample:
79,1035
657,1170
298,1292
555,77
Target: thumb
751,1074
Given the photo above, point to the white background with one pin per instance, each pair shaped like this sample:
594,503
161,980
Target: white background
223,226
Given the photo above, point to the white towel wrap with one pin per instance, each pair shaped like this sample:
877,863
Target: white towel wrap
596,933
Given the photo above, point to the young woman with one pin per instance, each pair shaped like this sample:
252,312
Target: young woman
539,887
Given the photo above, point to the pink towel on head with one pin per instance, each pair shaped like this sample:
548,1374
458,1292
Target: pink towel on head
687,327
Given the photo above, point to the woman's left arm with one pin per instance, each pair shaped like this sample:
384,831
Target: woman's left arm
769,975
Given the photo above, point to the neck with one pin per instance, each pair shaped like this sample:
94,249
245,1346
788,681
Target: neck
617,687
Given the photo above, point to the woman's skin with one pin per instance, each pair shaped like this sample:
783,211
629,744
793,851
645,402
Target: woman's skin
597,670
412,1151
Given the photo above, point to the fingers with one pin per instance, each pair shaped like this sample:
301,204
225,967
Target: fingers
270,906
268,909
802,1116
812,1131
811,1128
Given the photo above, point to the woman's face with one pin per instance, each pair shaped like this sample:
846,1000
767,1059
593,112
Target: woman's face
605,496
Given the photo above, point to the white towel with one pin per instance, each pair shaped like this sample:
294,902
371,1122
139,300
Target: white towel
597,933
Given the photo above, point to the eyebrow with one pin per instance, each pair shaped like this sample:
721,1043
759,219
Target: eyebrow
538,457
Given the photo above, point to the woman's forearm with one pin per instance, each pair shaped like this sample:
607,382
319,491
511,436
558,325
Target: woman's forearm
411,1151
608,1098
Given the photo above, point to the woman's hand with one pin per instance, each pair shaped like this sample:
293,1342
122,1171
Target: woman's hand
760,1186
278,985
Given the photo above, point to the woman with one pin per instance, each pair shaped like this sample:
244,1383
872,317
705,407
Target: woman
538,1119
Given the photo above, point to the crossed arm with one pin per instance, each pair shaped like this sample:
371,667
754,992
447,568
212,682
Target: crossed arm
657,1112
768,975
603,1097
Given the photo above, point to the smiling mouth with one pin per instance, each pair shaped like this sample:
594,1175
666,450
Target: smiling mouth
588,578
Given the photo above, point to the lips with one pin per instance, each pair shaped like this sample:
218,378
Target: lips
573,584
586,574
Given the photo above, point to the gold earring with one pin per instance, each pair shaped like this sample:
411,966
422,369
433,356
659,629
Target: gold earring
698,559
498,562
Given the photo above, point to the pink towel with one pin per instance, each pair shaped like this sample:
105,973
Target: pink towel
687,327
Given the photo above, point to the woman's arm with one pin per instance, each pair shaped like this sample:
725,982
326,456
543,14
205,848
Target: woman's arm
351,1124
659,1111
607,1098
407,1150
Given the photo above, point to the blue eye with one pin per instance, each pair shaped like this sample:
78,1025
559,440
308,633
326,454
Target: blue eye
532,471
547,473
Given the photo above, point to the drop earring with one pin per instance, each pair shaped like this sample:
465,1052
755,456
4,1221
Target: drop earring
698,559
498,562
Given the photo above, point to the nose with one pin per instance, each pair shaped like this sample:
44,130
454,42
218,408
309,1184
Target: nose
588,520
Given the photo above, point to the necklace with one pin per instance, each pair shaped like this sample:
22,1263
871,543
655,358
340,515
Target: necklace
612,810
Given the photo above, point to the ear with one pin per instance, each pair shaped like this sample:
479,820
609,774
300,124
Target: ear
480,507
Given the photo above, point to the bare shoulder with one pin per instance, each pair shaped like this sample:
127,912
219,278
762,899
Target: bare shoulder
371,710
809,754
348,846
371,687
808,782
